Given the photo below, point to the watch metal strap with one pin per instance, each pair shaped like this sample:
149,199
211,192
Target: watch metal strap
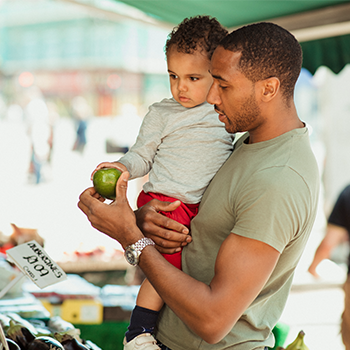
142,243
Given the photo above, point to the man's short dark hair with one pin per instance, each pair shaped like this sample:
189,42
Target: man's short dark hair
268,50
202,33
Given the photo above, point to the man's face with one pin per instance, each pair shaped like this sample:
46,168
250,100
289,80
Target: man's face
189,76
232,94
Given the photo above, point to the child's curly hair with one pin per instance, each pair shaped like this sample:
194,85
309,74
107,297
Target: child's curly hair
196,33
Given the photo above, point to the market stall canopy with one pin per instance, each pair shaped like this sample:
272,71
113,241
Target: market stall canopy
321,26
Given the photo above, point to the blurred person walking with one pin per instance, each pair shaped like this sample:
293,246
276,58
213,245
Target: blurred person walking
81,111
40,133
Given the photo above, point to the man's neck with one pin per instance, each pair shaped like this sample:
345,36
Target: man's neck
276,124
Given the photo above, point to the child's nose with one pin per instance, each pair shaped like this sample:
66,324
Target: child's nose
182,86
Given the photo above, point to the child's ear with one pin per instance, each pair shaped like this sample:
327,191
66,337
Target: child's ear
269,87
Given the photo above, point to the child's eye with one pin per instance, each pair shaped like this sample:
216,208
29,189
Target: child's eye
194,78
173,76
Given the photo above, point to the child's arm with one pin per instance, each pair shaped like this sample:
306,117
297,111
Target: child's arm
116,165
140,157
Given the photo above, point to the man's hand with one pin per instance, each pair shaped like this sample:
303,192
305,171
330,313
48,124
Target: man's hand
168,234
117,220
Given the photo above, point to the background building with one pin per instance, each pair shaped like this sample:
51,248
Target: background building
66,50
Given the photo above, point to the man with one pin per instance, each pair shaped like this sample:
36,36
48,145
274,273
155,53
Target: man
255,216
338,231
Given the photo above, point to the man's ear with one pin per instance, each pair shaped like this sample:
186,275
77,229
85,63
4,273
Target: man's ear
269,88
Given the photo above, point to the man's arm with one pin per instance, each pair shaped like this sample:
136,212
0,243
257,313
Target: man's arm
334,236
242,268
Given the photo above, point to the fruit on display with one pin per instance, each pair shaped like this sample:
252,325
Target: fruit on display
69,342
4,321
73,344
105,180
298,343
12,344
45,343
58,334
20,320
19,334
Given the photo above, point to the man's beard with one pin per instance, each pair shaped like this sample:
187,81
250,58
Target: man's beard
245,118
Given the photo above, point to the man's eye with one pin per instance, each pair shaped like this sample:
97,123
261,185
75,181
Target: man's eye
222,87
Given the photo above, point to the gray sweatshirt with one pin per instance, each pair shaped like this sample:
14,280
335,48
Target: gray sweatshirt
181,149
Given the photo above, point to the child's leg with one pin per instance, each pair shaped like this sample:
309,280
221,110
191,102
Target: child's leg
148,304
144,316
148,297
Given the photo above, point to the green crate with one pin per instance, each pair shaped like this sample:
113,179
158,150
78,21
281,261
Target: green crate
107,335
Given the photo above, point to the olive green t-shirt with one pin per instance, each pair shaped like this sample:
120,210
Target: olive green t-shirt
266,191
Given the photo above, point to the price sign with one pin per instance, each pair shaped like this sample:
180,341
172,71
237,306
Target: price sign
34,262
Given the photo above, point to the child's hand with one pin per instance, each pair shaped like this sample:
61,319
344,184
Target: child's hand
116,165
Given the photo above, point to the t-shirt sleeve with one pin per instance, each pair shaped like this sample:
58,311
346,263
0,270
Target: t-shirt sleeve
139,159
272,206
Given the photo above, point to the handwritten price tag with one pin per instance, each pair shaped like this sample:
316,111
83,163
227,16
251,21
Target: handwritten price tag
34,262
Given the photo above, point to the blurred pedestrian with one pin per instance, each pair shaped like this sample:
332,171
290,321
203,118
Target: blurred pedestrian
40,133
81,111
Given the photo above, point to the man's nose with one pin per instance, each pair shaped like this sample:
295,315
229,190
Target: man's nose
213,97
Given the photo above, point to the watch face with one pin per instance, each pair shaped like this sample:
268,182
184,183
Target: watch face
131,257
132,252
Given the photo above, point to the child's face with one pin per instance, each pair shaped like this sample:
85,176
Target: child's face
189,76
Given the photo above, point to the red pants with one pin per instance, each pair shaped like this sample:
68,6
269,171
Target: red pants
183,214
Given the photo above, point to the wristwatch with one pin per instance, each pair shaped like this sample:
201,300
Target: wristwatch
132,252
